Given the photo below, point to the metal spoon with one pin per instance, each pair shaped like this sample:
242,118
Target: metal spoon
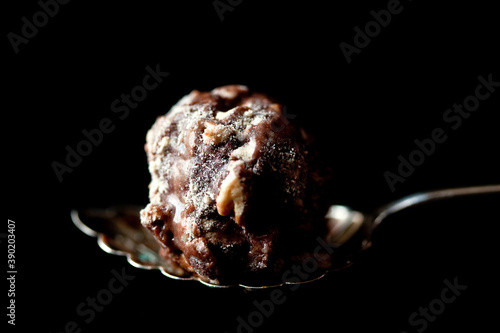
119,231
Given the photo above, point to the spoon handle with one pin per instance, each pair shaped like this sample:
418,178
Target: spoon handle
429,196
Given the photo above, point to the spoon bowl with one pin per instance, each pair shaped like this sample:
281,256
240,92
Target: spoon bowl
119,231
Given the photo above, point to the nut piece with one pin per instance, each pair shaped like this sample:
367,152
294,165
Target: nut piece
230,91
245,152
216,133
231,195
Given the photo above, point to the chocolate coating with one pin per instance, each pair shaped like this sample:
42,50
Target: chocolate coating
235,191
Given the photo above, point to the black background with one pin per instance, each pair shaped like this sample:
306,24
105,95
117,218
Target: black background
365,113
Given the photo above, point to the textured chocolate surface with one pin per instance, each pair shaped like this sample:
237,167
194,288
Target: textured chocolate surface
235,192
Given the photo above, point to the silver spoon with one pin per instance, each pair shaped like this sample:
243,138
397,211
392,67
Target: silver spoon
119,231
